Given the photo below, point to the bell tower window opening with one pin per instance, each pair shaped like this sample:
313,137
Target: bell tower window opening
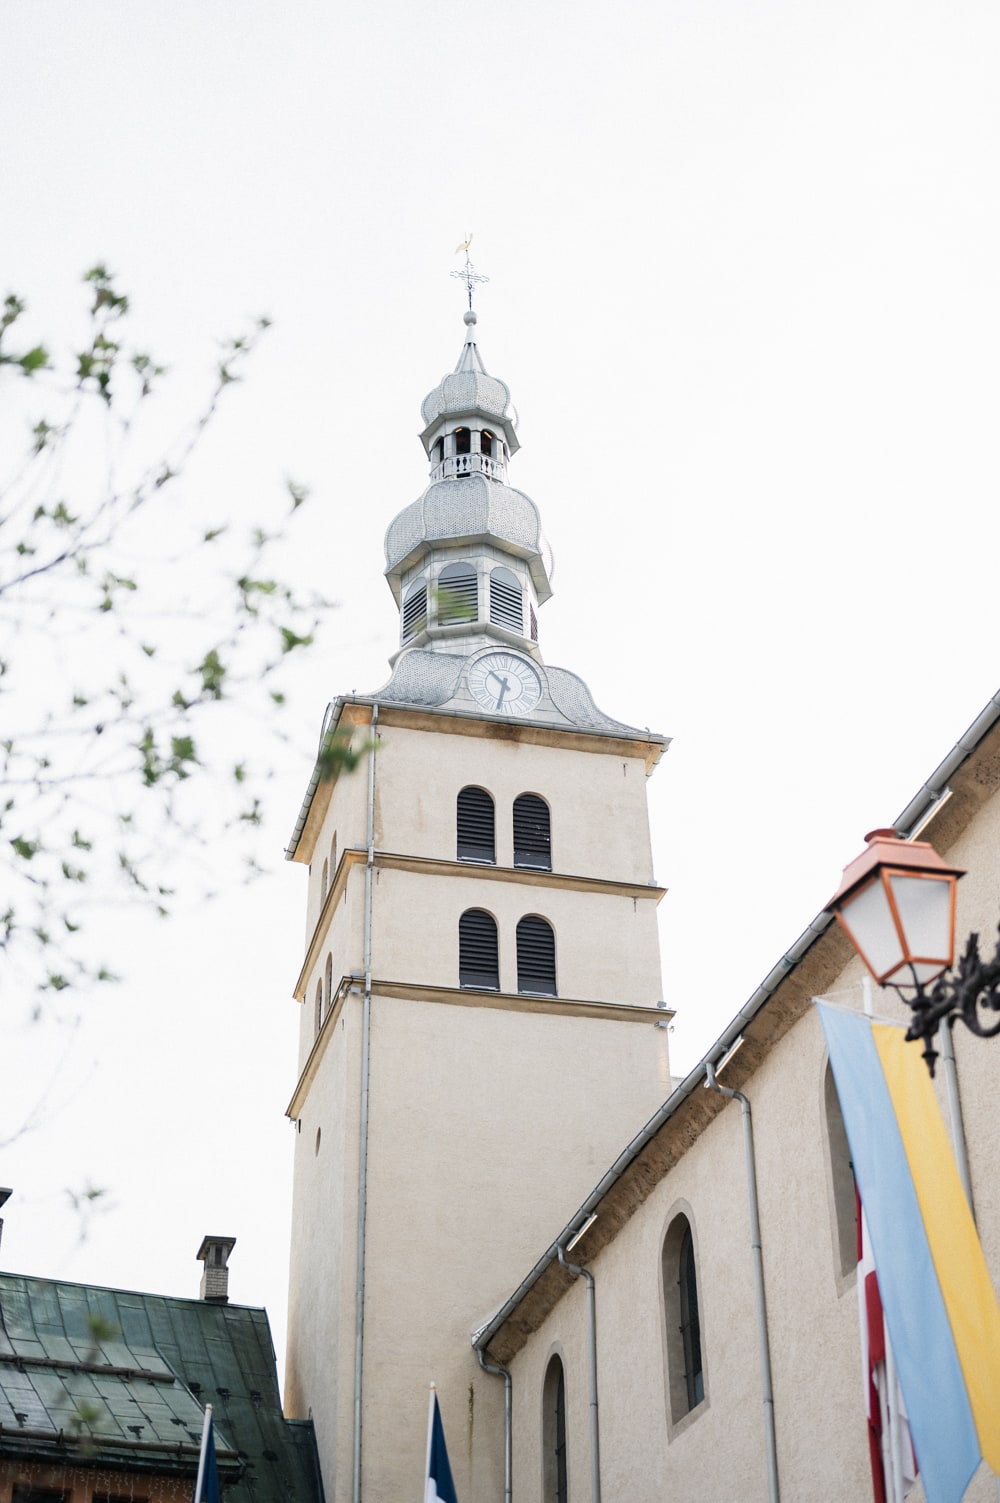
437,451
414,611
532,832
536,956
457,594
463,441
478,951
486,442
506,605
476,826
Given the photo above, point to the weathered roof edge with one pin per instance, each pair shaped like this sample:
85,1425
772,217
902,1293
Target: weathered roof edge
335,709
909,820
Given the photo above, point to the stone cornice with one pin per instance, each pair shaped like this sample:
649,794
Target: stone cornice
454,996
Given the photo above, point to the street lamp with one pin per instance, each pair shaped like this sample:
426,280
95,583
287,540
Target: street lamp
896,903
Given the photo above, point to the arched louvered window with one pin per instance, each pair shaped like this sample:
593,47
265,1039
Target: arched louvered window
532,833
486,442
463,441
476,826
414,610
554,1469
683,1320
478,951
506,607
536,956
458,594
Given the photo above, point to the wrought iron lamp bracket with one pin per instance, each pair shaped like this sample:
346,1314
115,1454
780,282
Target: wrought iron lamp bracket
971,988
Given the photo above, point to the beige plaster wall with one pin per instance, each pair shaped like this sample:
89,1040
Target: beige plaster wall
320,1365
600,826
718,1449
487,1129
607,945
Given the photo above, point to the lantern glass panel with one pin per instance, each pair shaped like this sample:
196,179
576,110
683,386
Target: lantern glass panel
869,919
924,905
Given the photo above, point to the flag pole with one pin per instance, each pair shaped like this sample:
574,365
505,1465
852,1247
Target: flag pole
430,1437
201,1457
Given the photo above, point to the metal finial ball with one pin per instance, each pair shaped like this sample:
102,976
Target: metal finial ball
469,316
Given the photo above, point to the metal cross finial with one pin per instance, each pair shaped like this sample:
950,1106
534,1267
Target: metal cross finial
468,274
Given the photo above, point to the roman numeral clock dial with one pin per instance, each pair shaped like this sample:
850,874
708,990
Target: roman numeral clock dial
505,684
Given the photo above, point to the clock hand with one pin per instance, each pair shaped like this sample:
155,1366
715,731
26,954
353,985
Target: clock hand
506,685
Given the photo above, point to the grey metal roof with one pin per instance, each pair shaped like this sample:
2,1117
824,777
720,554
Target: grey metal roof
469,508
109,1377
469,387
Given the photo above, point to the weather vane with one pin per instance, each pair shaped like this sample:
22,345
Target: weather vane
469,275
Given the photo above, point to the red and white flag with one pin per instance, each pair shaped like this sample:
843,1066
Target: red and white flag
894,1466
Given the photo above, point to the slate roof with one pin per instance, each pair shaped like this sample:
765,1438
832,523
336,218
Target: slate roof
113,1378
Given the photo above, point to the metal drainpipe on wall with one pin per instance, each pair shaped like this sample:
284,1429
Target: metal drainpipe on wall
763,1344
366,1018
595,1433
501,1372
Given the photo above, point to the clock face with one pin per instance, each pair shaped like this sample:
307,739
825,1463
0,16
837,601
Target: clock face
505,684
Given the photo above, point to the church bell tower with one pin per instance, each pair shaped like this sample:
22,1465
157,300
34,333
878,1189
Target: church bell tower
481,1025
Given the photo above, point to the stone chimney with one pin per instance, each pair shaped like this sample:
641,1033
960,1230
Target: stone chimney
214,1253
5,1195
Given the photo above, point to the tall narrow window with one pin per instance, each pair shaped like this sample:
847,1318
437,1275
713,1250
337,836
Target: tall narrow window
845,1205
414,611
486,442
329,982
319,1006
458,594
324,884
532,833
691,1324
476,826
506,607
463,440
478,951
554,1468
536,956
685,1368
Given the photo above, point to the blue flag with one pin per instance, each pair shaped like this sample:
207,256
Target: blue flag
206,1487
440,1487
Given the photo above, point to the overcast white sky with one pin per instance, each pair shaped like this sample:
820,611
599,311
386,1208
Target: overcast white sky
744,288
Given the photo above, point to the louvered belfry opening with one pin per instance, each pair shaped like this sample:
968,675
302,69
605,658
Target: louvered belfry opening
532,833
536,956
458,594
414,612
476,826
478,951
506,607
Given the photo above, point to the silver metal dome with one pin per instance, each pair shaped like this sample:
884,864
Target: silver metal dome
467,510
470,388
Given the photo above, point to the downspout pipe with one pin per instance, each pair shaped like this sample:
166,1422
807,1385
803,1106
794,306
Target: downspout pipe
763,1343
958,1143
502,1372
366,1029
595,1433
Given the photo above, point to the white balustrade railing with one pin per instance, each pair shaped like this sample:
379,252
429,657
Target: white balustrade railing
469,464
